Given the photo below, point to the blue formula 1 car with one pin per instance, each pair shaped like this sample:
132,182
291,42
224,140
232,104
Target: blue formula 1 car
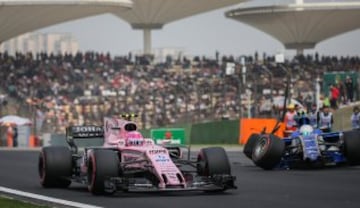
305,148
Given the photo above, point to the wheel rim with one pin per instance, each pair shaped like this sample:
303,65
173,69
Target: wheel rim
91,174
261,147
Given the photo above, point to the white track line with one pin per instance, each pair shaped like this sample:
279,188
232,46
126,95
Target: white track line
46,198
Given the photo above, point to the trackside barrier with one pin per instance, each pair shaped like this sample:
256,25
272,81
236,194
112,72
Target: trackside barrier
217,132
34,141
171,135
256,125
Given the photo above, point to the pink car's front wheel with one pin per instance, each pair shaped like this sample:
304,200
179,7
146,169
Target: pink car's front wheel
103,164
213,161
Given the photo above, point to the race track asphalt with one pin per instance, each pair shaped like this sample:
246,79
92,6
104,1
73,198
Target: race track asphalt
334,187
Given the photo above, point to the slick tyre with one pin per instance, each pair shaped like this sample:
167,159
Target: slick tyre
213,161
249,146
268,151
55,167
102,165
352,146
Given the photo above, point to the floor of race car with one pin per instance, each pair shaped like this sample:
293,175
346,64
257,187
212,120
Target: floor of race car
331,187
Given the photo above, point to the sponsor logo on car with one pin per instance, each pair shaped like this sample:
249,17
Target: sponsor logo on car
157,151
162,158
86,129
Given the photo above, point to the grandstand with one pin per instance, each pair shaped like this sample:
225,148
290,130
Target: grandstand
83,88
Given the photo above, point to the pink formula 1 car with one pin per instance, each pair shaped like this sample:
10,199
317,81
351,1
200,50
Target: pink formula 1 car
127,161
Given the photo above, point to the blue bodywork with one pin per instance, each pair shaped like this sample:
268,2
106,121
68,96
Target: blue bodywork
314,149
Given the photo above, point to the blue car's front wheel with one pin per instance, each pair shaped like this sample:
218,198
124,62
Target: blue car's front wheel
268,151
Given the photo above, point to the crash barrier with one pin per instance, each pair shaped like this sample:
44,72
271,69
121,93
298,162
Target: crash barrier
34,141
171,135
54,140
256,125
187,128
219,132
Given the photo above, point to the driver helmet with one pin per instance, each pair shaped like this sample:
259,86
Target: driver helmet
306,130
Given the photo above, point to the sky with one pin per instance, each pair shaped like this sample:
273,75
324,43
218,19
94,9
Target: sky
202,34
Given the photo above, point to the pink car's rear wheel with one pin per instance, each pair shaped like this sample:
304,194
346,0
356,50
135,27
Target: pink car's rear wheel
55,167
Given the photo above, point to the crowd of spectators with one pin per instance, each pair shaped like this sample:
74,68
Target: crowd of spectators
83,88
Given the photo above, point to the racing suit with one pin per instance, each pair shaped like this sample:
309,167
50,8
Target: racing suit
326,121
314,117
355,120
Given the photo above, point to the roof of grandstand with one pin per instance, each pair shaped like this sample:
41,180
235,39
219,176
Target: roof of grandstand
153,14
21,16
300,25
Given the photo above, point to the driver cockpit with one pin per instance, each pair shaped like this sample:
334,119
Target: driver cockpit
134,138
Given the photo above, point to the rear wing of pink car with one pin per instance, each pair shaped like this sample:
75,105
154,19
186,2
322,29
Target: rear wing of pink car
83,132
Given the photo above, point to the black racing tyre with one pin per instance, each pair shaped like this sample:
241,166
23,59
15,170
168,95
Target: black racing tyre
352,147
213,161
102,164
55,167
249,146
268,151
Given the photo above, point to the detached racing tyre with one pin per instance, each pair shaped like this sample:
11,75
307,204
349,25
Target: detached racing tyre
103,164
268,151
213,161
352,147
249,146
55,167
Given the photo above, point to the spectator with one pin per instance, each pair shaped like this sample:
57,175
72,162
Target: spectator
349,89
326,119
313,116
334,96
342,94
15,136
355,118
309,101
289,119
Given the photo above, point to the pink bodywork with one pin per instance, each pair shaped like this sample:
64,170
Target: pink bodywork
134,147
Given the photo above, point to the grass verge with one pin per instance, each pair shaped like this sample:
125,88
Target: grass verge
8,202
